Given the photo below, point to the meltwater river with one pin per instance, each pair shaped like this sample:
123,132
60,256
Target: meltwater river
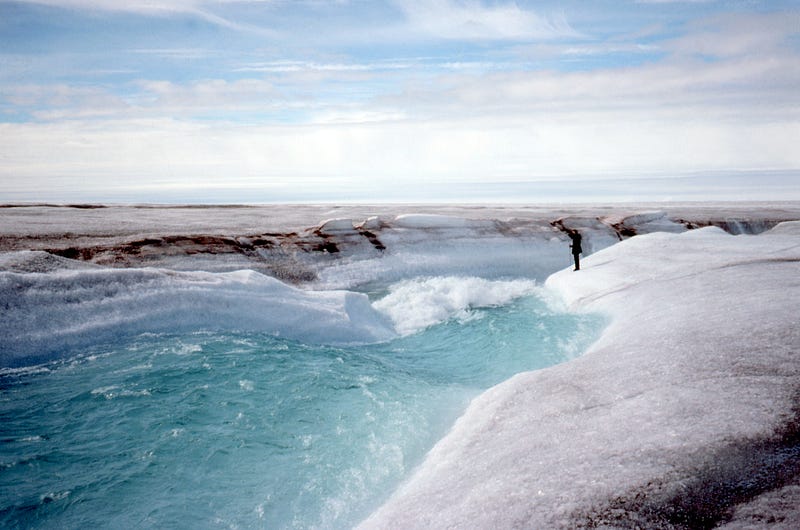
204,429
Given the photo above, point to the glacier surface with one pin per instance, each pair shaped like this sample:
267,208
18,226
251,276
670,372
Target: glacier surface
683,414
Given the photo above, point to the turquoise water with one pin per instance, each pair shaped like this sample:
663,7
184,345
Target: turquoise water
205,430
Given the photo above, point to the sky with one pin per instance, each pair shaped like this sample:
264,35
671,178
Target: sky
399,100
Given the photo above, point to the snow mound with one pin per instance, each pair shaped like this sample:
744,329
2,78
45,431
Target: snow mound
39,261
435,221
336,225
787,228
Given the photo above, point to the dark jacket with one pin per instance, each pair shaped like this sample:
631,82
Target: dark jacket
576,243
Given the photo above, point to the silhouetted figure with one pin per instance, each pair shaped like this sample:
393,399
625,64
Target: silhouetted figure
575,236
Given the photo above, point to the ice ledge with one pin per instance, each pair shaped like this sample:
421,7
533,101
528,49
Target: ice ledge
683,414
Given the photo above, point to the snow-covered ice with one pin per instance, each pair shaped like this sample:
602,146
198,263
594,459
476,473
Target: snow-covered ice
47,314
684,413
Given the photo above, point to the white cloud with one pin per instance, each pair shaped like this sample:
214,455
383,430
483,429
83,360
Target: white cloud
470,19
177,53
294,66
138,6
437,19
734,35
749,88
208,94
682,115
411,121
150,7
675,1
196,8
149,99
582,142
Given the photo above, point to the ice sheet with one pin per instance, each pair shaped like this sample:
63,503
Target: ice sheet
682,411
330,247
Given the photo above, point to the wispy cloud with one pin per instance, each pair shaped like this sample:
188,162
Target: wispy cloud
470,19
675,1
177,53
137,6
415,64
293,66
467,20
148,99
399,92
202,9
735,35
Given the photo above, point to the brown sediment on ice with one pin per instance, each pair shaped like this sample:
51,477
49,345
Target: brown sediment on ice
115,251
283,241
724,485
278,254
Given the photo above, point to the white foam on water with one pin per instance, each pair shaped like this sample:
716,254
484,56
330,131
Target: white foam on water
416,304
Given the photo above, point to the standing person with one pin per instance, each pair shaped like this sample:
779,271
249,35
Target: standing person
575,236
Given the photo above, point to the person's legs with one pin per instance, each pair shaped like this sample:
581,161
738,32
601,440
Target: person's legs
577,262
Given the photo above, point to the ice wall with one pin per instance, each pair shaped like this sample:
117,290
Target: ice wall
683,413
46,314
52,306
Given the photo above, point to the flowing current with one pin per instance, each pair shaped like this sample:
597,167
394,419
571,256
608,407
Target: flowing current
205,416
